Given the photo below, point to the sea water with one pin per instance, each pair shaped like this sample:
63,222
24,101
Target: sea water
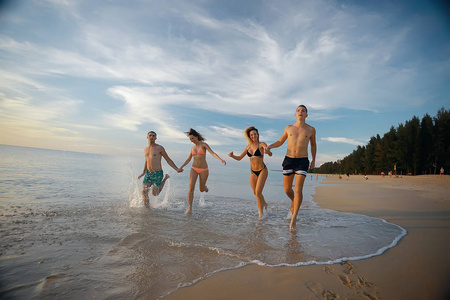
72,226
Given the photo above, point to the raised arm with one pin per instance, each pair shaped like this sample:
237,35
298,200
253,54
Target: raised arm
239,157
168,160
214,153
313,149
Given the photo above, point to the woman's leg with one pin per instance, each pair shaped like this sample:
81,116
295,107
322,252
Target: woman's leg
203,178
261,181
192,181
253,181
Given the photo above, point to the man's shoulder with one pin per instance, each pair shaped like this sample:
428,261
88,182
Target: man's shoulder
309,126
297,127
159,147
290,127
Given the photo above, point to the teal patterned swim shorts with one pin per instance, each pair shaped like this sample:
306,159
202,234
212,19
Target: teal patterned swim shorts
153,178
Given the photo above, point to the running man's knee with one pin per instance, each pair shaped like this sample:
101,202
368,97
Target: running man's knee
288,190
299,189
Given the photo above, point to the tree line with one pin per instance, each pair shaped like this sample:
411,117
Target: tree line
416,147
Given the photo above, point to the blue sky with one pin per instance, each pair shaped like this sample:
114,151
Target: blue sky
96,76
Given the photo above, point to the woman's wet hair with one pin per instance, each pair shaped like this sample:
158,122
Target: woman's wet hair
193,132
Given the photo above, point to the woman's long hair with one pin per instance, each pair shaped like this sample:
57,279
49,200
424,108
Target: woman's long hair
195,133
247,134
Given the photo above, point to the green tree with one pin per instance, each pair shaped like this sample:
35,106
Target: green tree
442,142
417,147
425,146
369,156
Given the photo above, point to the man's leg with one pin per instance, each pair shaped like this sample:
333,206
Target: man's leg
157,189
298,198
145,188
287,182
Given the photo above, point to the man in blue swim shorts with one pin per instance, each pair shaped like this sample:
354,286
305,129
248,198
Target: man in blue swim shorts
296,163
153,173
153,178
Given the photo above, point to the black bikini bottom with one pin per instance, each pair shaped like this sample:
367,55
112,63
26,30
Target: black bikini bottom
257,172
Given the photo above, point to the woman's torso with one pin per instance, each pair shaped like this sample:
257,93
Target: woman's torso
199,154
256,155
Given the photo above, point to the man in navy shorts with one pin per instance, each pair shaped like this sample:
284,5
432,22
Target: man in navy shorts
296,163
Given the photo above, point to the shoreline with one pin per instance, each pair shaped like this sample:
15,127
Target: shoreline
417,267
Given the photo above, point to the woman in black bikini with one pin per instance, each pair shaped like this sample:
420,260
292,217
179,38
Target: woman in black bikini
259,172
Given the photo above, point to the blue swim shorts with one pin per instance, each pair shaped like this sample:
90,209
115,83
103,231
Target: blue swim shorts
153,178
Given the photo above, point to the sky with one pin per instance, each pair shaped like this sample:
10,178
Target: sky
96,76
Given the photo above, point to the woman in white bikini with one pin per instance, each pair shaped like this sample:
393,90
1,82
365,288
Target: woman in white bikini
259,172
199,166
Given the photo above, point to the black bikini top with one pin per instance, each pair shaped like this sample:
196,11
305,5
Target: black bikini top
257,153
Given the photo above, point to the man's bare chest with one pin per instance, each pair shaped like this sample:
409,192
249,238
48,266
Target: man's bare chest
152,154
299,135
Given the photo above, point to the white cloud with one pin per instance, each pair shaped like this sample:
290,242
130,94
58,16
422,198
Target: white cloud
246,64
343,140
148,57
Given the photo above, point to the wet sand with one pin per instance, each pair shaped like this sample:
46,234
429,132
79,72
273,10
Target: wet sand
417,268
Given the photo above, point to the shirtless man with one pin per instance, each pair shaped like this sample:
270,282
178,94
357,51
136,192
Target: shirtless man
153,173
296,163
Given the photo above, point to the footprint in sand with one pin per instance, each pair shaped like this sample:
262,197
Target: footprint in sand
363,282
328,270
346,274
320,292
348,267
346,281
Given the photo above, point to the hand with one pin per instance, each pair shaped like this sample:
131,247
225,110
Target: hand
267,150
231,154
180,170
139,177
224,162
313,163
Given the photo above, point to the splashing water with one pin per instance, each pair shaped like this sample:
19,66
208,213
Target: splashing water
134,193
201,201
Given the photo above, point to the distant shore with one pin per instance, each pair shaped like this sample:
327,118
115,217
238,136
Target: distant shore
417,268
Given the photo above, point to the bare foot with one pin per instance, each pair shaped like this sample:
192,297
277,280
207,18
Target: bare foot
188,212
293,225
206,189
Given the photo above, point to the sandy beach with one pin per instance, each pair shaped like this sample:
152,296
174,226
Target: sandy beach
418,267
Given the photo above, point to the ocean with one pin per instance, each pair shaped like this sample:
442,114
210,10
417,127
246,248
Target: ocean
73,226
